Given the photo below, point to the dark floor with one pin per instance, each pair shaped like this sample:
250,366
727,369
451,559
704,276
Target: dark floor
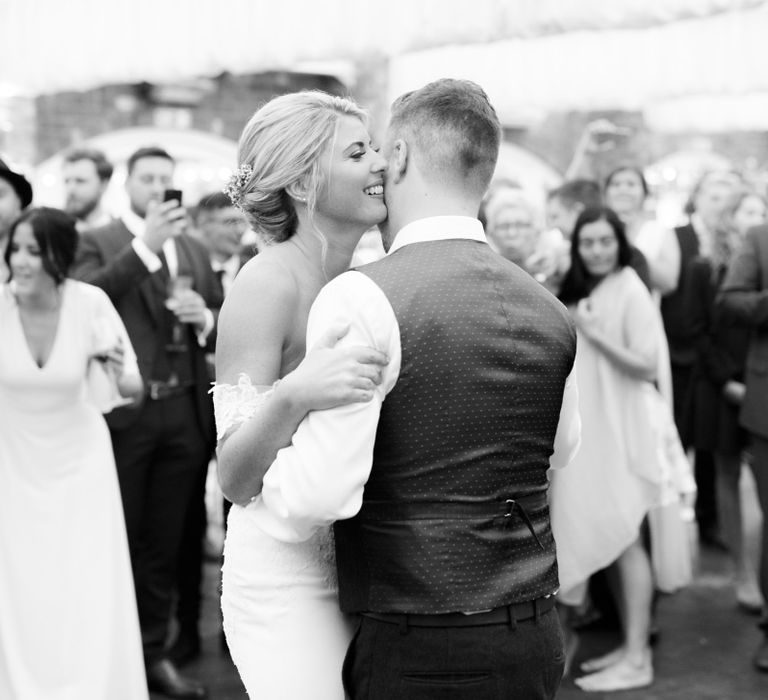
704,650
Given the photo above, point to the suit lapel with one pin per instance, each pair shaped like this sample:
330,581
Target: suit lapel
152,288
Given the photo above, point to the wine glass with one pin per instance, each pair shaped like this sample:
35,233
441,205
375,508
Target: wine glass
177,286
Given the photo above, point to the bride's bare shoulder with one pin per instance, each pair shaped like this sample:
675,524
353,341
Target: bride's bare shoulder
268,276
256,319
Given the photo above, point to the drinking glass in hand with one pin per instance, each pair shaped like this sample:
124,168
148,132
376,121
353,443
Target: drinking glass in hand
177,286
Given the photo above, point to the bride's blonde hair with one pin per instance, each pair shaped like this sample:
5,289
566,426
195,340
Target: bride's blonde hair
279,159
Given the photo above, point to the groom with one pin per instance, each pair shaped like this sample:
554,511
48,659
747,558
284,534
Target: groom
443,539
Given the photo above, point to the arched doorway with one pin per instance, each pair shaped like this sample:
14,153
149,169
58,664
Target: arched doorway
534,175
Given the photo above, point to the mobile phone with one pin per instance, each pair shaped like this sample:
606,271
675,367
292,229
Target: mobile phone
168,195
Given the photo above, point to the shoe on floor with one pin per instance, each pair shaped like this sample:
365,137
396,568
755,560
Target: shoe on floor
748,598
622,675
760,658
163,677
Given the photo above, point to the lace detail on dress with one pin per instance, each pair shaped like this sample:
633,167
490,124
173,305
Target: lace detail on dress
233,404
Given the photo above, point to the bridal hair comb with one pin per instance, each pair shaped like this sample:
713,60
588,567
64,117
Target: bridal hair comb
234,188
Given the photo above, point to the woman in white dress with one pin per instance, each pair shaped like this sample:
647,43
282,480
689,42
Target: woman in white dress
310,184
599,503
68,623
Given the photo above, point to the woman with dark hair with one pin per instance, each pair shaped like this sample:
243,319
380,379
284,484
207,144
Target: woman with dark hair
580,281
599,503
69,622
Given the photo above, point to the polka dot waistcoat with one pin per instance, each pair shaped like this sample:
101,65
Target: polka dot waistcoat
468,427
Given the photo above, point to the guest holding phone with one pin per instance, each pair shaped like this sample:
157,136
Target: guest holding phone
69,621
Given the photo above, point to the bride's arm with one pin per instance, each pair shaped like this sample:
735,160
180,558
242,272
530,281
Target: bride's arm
253,327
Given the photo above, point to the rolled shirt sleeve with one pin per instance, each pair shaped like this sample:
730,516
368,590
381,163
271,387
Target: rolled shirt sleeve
319,478
150,259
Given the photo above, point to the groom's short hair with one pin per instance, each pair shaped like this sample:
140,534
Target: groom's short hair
453,128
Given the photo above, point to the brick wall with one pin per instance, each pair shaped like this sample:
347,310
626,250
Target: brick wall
223,104
220,106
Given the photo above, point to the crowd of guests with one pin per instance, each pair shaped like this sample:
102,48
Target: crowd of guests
671,328
672,357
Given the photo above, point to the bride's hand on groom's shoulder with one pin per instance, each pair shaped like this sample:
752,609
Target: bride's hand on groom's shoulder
332,376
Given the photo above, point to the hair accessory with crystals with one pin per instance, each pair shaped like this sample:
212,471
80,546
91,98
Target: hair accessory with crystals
234,188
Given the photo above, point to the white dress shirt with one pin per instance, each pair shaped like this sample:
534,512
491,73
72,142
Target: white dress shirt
703,234
229,269
137,226
662,251
320,477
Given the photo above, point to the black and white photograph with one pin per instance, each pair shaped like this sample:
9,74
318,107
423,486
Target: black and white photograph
402,351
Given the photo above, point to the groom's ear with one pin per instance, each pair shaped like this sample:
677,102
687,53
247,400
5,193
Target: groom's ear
398,162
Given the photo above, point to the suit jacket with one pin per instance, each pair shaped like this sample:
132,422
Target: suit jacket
106,258
639,263
744,296
680,334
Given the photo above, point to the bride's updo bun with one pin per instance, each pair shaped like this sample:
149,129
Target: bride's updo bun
279,159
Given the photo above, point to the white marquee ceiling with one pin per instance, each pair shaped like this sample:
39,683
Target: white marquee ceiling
693,73
49,45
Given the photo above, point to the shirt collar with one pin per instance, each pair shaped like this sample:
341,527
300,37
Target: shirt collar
702,233
228,265
439,228
134,223
698,224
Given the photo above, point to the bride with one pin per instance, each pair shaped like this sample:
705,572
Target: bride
310,184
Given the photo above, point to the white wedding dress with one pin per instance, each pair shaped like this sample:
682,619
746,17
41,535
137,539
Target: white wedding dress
282,621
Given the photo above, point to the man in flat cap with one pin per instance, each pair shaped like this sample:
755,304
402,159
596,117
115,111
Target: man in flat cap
15,196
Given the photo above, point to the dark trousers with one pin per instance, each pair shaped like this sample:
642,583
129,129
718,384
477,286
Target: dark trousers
706,496
190,577
704,461
158,461
760,471
523,659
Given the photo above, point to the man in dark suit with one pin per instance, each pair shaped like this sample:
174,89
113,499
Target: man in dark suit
744,296
219,226
708,200
87,173
161,282
15,196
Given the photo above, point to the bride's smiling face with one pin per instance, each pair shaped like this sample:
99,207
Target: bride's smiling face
352,189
